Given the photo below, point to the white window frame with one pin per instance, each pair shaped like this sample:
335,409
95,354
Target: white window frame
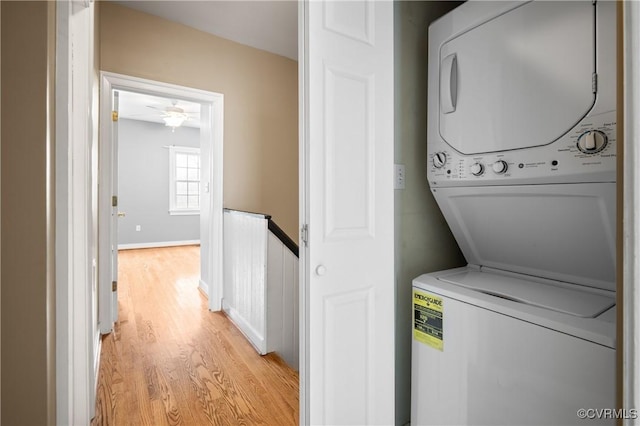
173,208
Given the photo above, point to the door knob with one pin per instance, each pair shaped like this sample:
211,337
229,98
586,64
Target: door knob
121,214
321,270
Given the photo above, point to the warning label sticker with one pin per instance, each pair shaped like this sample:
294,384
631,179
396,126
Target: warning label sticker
427,319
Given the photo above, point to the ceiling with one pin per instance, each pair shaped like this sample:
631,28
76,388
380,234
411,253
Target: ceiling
138,106
264,24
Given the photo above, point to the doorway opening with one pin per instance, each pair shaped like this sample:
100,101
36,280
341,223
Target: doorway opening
193,179
158,171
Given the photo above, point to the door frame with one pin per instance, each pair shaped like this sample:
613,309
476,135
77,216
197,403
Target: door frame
77,343
303,208
211,136
629,229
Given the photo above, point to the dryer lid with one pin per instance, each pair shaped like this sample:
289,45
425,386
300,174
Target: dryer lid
564,299
521,79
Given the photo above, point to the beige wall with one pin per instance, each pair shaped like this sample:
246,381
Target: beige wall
423,240
27,296
260,101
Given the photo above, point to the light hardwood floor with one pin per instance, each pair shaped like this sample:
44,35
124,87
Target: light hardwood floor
171,361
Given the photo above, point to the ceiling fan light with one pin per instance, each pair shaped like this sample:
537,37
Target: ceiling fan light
174,120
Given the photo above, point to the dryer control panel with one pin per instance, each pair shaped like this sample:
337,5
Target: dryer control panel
587,153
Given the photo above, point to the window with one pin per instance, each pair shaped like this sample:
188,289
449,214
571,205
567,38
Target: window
184,180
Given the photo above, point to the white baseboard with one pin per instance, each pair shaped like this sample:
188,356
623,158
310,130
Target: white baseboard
245,328
96,361
97,345
158,244
204,287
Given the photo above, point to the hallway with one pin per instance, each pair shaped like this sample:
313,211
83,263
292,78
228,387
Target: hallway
170,361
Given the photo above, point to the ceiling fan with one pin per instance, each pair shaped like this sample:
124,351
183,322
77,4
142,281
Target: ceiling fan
174,115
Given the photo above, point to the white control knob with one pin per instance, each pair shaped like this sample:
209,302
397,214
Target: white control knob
439,159
321,270
592,141
477,169
500,167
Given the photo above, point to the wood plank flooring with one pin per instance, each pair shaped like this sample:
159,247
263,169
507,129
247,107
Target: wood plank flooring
169,361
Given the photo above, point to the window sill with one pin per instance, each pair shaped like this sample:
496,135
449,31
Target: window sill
184,212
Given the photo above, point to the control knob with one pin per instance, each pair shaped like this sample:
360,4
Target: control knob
439,159
500,167
592,141
477,169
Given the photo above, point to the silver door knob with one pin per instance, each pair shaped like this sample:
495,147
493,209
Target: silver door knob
321,270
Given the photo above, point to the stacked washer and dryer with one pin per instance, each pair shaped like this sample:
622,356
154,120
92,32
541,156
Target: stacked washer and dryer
522,163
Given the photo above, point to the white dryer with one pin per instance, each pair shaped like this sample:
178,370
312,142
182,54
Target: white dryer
522,163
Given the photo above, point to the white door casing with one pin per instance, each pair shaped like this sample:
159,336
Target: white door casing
211,206
211,134
347,299
630,386
77,343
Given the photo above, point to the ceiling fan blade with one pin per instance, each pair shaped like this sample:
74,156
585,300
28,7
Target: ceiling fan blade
149,114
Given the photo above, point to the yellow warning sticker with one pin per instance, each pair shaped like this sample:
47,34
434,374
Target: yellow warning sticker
427,319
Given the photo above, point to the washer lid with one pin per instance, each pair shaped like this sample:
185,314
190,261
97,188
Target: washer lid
521,79
557,298
560,232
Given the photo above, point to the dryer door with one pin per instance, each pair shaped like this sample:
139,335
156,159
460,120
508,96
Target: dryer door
521,79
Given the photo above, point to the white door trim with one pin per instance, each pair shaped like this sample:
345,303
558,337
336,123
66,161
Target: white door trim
211,133
631,222
76,343
303,184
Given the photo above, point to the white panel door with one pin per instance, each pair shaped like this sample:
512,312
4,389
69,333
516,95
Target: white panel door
347,101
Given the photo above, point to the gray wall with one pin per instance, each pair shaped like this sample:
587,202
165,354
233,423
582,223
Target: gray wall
143,183
423,240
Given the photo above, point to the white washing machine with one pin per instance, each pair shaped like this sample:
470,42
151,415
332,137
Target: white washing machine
522,163
496,348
